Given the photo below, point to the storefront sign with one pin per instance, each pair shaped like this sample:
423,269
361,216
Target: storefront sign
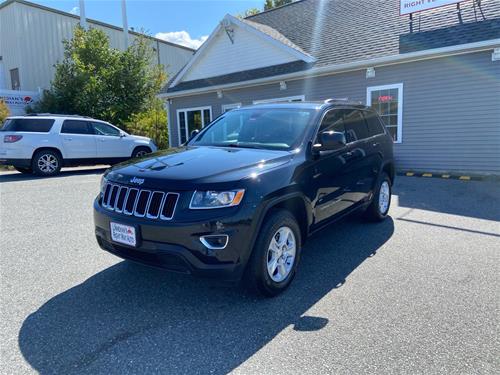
18,100
412,6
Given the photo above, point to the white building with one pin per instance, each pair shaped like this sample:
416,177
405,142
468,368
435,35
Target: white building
31,38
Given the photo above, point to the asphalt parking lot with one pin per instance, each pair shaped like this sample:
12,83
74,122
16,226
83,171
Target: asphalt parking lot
417,294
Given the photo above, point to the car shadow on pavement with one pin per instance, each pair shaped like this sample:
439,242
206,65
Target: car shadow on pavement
16,176
134,319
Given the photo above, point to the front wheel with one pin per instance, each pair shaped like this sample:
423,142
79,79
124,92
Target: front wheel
381,202
276,254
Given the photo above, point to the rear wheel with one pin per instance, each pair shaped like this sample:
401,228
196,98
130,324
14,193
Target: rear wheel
46,163
140,152
276,254
24,170
381,202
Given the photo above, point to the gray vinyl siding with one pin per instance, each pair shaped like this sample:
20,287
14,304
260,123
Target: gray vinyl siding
451,108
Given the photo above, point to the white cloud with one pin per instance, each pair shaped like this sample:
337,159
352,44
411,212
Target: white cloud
183,38
75,10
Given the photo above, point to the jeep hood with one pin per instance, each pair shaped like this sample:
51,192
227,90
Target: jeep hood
192,167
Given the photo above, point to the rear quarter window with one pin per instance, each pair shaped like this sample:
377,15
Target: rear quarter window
28,125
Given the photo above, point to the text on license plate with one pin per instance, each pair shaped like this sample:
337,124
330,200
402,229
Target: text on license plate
123,234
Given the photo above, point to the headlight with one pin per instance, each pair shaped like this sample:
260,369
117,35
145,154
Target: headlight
104,181
216,199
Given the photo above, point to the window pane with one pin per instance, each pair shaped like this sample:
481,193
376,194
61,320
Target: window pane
182,126
75,127
28,125
355,125
193,121
374,125
385,102
333,120
14,79
206,117
393,131
104,129
272,128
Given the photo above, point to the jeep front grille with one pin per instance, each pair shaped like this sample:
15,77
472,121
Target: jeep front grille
139,202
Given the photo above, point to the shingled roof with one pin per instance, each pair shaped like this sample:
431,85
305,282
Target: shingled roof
345,31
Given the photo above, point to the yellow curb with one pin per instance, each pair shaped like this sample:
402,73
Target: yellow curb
445,176
409,174
427,175
465,178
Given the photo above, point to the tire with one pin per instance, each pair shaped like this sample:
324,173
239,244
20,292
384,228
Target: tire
24,170
140,152
281,272
381,202
46,163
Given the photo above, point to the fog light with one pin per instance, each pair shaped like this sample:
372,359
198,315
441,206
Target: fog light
215,241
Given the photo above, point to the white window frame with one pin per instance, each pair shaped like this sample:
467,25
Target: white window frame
398,86
228,107
185,110
281,100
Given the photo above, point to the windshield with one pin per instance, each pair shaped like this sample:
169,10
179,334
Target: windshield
268,128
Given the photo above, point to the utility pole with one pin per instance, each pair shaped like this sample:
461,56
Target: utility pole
125,23
83,20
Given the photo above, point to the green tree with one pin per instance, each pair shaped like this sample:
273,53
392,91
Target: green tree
151,123
102,82
4,111
249,12
270,4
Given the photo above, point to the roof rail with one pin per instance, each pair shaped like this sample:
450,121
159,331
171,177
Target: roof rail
55,115
342,100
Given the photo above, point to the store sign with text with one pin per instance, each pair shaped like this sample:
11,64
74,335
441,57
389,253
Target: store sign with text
18,100
412,6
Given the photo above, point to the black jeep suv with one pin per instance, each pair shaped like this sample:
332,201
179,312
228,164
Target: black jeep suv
239,199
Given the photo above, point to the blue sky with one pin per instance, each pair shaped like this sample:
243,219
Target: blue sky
192,20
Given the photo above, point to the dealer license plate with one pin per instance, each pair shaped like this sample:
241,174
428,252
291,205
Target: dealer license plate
124,234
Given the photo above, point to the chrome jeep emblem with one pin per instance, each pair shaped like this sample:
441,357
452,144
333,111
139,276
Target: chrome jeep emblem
138,181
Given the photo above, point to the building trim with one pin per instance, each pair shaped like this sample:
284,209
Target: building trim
353,66
398,86
89,20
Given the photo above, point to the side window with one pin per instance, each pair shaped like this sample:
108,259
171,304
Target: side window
375,127
333,120
28,125
76,127
355,126
101,128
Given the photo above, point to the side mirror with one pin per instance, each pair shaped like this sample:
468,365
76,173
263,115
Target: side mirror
122,135
330,141
194,133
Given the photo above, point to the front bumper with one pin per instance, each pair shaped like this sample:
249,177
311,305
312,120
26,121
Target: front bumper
176,246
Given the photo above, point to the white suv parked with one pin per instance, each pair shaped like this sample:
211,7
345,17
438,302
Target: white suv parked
42,144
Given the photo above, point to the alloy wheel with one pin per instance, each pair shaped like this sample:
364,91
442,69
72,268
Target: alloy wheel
384,197
47,163
281,254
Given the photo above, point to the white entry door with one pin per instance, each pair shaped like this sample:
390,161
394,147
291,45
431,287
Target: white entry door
192,119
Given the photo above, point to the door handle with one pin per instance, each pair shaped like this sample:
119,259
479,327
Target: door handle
376,144
68,139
